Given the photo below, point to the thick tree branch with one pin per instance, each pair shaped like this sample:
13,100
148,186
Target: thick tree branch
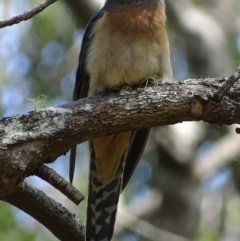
64,225
26,15
28,140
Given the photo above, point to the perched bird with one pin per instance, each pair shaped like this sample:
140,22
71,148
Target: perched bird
124,43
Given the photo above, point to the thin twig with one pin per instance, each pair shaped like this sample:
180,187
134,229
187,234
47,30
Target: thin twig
26,15
53,178
227,85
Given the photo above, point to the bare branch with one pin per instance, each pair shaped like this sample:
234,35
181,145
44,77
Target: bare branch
26,15
29,140
50,176
64,225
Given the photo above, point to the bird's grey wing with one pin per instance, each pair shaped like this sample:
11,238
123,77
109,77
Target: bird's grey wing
82,78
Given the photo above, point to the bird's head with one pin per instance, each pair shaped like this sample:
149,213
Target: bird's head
111,5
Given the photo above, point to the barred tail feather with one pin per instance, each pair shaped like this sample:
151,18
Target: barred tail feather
102,204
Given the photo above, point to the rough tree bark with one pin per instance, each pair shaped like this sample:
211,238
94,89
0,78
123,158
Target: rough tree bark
29,140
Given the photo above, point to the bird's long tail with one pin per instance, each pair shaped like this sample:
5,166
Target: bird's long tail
102,204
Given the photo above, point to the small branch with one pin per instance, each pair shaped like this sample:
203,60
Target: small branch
227,85
64,225
50,176
26,15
